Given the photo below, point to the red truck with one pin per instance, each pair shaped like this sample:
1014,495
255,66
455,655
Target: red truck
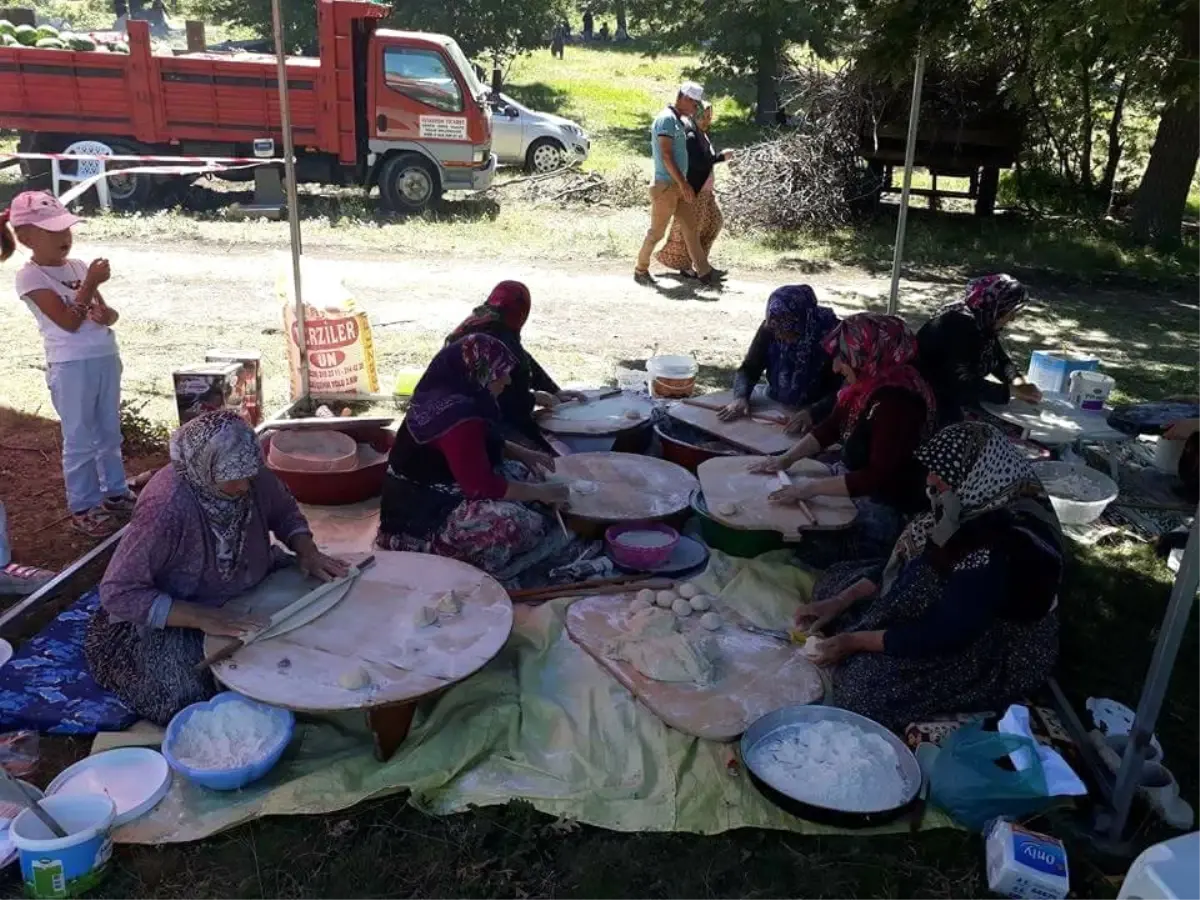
403,111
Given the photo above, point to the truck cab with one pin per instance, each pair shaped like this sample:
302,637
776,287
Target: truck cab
430,127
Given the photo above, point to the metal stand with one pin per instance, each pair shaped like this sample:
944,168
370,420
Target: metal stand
910,150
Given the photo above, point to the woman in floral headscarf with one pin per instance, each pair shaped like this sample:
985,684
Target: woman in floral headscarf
449,490
788,348
881,416
502,316
960,347
962,618
200,535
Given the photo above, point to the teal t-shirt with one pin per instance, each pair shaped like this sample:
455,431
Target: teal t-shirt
669,124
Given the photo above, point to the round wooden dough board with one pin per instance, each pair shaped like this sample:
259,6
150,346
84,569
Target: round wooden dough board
598,416
373,628
727,479
628,487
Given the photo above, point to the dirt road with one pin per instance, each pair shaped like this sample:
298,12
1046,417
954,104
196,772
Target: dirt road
178,300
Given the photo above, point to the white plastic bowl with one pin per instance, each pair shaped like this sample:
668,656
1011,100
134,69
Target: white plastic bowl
1077,512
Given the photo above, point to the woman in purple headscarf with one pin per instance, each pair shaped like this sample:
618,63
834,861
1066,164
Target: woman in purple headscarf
787,347
449,489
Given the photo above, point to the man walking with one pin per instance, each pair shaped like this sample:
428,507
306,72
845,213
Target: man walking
671,197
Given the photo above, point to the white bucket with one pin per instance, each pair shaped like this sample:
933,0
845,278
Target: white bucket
1089,390
68,866
672,376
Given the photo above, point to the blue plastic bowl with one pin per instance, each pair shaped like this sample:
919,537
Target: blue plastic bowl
229,779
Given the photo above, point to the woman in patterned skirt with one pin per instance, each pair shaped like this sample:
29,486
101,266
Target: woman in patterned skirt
963,618
455,486
200,535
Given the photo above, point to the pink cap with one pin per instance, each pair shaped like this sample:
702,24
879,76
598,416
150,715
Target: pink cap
41,209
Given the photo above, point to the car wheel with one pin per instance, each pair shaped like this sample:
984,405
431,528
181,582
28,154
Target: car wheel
408,183
545,155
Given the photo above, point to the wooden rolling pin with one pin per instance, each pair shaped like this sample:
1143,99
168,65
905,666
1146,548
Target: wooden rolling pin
284,614
766,418
785,480
594,588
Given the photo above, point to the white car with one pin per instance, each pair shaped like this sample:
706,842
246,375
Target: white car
540,142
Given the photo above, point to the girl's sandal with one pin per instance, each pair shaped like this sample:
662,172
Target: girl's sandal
95,523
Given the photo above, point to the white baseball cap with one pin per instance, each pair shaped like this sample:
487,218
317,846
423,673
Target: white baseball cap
692,90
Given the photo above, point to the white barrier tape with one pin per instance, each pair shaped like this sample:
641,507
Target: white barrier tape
82,186
199,160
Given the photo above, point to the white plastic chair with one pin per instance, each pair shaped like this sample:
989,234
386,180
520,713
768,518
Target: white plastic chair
84,168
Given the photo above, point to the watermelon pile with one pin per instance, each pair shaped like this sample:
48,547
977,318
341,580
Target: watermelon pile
47,37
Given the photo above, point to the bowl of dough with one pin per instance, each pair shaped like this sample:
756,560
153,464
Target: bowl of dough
830,765
227,742
641,545
1078,493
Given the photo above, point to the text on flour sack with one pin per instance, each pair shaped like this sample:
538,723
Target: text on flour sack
444,128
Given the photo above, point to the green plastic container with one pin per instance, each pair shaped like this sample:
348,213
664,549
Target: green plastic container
734,541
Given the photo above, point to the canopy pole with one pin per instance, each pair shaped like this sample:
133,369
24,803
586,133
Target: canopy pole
289,163
910,150
1166,648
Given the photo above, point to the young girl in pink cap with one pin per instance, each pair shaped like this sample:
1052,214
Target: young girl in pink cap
83,368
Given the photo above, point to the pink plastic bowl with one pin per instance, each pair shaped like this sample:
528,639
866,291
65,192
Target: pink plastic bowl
640,557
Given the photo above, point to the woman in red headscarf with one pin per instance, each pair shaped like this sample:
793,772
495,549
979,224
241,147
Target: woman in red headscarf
881,416
503,316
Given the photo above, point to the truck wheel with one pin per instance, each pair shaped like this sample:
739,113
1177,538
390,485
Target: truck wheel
129,192
545,155
409,184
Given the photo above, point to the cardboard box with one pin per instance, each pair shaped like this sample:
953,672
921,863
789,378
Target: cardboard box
206,387
250,385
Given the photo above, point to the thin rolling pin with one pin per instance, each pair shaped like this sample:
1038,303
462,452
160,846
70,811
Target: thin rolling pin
654,584
526,593
763,417
786,481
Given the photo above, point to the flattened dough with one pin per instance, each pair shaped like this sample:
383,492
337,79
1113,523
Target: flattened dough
638,604
425,616
672,658
354,679
728,509
448,604
652,622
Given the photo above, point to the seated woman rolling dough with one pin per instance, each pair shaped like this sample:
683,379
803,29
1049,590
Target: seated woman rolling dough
963,618
960,347
449,491
881,416
200,535
503,316
788,347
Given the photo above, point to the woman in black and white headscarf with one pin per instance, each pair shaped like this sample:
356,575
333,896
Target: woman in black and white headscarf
963,618
960,347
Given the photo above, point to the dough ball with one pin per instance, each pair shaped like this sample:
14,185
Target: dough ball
728,509
711,621
665,598
812,646
448,604
681,607
687,590
425,616
584,488
640,604
354,679
633,413
646,596
701,602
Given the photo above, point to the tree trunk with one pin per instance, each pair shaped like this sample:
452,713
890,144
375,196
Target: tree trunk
622,21
1162,195
768,76
497,77
1114,140
1085,129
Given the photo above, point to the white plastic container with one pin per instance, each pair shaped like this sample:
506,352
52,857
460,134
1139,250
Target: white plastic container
1166,455
1089,390
672,376
68,866
1073,511
1050,369
1168,870
1025,865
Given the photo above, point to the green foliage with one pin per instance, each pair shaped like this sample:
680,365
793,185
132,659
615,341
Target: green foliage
492,30
142,436
299,19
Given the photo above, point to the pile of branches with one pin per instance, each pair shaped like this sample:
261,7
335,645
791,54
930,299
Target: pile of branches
811,172
572,186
